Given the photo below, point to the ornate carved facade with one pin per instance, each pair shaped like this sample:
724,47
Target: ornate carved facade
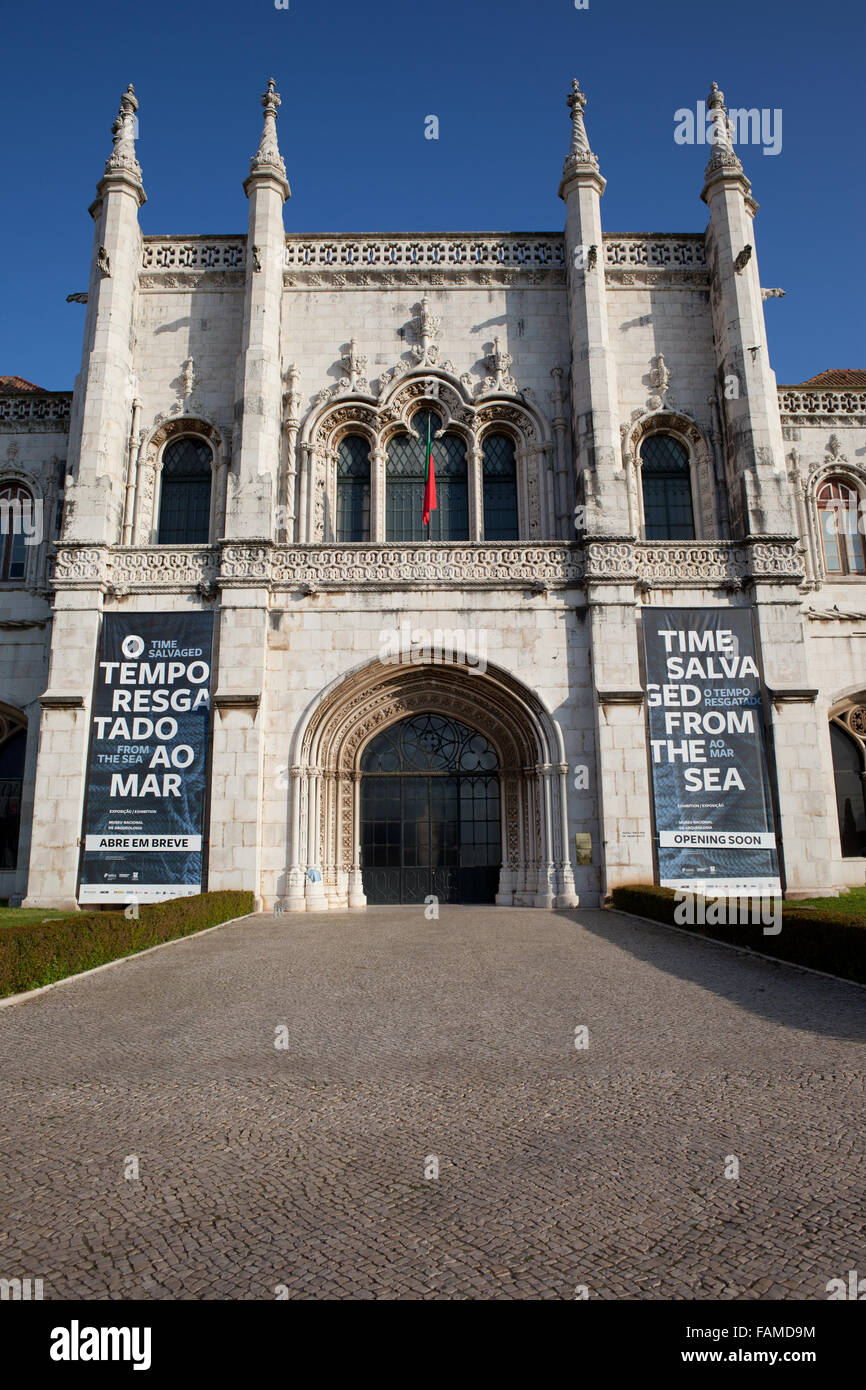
277,375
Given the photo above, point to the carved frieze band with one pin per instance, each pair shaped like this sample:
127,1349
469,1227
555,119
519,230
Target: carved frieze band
123,568
728,564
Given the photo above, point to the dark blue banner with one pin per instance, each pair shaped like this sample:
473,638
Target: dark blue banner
147,771
711,789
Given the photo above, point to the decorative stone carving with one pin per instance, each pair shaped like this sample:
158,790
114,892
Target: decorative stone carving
580,156
426,350
211,254
446,254
122,159
267,159
668,252
151,457
354,366
498,362
808,407
327,753
408,566
856,721
660,380
835,614
48,410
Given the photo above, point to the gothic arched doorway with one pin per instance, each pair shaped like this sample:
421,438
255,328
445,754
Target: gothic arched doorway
430,816
328,765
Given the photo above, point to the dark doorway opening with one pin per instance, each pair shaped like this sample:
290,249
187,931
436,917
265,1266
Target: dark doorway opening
430,815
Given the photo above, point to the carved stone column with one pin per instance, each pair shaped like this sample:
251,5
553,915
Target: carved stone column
505,893
594,394
546,485
301,491
475,490
286,532
566,895
259,382
757,487
378,459
357,897
314,889
545,891
559,401
297,850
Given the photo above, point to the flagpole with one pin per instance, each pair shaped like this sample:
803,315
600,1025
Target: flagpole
427,471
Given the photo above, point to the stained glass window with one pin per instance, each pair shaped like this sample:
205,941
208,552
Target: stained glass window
184,506
353,489
404,487
667,490
500,488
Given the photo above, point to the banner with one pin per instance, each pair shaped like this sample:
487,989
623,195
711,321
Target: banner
147,768
711,788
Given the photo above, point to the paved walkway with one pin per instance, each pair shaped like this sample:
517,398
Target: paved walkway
304,1166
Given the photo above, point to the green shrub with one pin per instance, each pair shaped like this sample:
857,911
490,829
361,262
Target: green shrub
38,953
825,938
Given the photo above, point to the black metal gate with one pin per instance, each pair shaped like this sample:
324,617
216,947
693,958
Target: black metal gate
430,820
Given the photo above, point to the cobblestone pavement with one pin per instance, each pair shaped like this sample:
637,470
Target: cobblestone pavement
304,1166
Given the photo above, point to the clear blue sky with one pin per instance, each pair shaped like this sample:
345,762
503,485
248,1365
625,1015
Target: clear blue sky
357,81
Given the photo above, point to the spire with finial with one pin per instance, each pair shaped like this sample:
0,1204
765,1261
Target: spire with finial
723,156
268,159
576,101
580,158
122,159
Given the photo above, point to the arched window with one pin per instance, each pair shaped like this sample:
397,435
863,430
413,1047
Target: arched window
838,518
12,751
667,490
16,507
353,489
184,503
404,486
499,471
850,799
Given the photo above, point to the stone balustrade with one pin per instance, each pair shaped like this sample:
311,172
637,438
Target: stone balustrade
485,565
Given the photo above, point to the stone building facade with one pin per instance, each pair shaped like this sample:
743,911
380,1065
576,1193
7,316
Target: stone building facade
609,435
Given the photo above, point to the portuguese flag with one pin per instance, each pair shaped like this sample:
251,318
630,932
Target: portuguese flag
429,482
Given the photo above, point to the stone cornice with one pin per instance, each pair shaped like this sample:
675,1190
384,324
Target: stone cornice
61,699
620,697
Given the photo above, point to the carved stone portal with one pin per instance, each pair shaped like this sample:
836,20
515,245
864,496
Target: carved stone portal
324,870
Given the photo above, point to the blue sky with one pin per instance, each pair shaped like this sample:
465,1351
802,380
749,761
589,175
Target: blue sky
357,81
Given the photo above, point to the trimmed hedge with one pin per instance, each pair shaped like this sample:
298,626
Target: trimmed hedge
38,953
825,938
